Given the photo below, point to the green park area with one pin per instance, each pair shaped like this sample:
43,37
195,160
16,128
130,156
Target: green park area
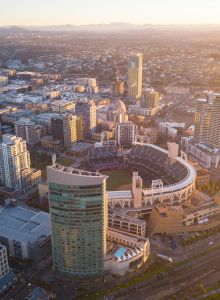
118,179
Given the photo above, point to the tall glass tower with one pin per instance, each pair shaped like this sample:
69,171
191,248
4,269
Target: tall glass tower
135,77
78,209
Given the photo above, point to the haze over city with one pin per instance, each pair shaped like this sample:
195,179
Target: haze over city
80,12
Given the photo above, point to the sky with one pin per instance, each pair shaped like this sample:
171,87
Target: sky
78,12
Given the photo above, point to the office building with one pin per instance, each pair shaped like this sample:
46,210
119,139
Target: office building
67,128
27,130
57,127
78,209
79,128
123,222
207,157
15,165
25,233
150,99
125,133
207,121
135,77
119,88
87,110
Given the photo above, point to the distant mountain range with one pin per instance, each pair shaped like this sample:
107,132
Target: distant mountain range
12,30
111,27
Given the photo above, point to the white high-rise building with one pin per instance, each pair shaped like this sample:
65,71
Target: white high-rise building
15,166
125,133
135,77
4,267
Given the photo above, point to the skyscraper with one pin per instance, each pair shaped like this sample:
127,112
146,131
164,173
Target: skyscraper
15,170
67,128
135,77
87,110
78,210
207,121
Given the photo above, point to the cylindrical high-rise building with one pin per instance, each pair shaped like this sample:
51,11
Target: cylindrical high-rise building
78,209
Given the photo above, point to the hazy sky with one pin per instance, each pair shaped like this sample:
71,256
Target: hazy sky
57,12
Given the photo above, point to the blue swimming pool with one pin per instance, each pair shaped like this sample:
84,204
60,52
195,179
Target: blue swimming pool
120,252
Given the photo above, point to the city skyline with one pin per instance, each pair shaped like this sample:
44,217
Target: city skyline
142,12
110,149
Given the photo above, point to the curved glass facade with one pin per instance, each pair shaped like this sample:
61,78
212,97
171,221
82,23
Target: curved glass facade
79,219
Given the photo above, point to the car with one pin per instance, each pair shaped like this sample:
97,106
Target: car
211,243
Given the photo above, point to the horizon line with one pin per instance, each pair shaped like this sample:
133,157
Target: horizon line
112,23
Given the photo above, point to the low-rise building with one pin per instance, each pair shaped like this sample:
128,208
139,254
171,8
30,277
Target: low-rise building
203,177
79,150
171,129
62,106
176,219
206,156
131,251
140,111
25,233
126,223
50,144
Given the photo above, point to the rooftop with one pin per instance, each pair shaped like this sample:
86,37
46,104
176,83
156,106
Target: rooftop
24,224
81,147
75,171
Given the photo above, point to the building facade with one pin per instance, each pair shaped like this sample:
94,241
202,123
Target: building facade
125,133
87,110
135,77
27,130
25,233
207,121
78,210
150,99
4,267
15,165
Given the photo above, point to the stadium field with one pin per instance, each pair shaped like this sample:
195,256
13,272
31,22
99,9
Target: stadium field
118,179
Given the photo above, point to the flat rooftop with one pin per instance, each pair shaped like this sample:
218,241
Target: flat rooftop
18,223
81,147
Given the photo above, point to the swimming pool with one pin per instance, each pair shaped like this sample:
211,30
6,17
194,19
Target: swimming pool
120,252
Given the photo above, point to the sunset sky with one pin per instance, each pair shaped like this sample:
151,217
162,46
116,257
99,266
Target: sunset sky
56,12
